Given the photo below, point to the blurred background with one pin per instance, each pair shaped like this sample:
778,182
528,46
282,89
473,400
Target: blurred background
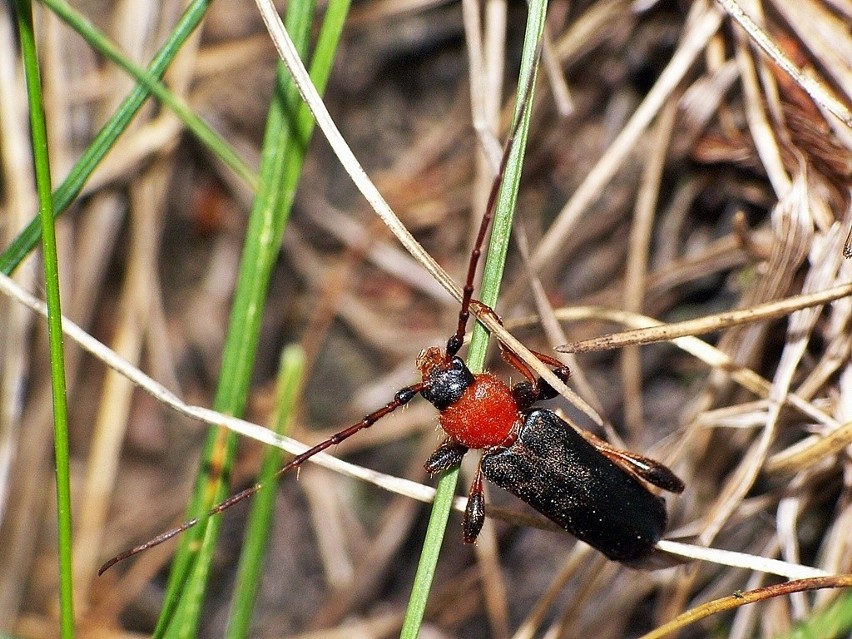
671,171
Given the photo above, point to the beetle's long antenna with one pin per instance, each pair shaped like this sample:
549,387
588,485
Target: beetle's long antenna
402,397
455,342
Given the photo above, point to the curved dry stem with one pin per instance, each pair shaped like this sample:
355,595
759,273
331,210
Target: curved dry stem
368,189
750,596
661,332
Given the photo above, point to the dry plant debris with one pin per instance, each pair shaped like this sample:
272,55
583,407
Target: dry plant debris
673,172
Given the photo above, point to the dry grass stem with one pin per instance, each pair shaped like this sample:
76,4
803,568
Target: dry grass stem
709,323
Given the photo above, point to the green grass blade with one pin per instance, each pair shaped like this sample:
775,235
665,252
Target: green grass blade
258,528
195,125
70,188
492,275
41,162
190,571
833,622
441,507
283,153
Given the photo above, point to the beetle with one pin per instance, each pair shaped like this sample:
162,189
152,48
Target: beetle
592,490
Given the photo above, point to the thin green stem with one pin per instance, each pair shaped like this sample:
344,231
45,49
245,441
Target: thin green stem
41,160
259,527
492,275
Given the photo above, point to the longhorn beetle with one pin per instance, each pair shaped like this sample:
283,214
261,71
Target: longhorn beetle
593,490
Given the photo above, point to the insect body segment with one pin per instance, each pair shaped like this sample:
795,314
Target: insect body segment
556,471
485,416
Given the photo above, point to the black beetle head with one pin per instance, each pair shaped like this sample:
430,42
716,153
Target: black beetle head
447,377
